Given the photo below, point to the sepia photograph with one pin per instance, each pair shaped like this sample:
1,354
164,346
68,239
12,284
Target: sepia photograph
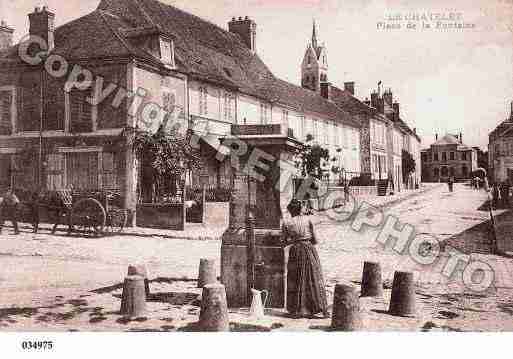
256,166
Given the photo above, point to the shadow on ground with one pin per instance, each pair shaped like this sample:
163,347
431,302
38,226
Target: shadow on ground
479,238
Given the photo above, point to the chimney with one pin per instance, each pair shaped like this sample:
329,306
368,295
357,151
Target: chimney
42,24
246,29
461,138
349,87
326,90
375,100
436,136
397,111
5,36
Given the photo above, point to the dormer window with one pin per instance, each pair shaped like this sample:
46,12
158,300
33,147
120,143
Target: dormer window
167,51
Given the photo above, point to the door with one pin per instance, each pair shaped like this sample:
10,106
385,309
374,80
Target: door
5,172
82,170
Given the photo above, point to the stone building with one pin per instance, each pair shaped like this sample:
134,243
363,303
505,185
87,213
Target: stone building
129,59
500,150
383,134
448,156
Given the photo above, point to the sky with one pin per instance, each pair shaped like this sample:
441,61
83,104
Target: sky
446,80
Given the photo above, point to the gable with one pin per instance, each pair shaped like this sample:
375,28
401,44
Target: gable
310,58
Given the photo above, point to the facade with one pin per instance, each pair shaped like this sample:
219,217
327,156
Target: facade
446,157
143,57
500,151
383,134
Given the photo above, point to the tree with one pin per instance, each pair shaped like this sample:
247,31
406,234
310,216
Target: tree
312,159
408,165
168,155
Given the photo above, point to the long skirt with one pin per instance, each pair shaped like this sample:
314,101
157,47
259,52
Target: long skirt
306,294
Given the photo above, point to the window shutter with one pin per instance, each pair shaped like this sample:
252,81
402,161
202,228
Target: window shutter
5,112
55,171
81,111
109,171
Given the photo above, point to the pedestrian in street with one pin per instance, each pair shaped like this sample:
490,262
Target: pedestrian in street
495,195
9,210
306,295
450,183
34,206
504,191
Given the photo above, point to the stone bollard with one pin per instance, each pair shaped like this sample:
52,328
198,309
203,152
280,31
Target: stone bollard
133,299
143,272
214,309
402,301
207,272
372,283
346,309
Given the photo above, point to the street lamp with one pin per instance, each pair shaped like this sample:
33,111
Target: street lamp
495,248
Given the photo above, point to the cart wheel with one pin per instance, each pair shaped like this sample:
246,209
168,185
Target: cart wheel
116,220
88,217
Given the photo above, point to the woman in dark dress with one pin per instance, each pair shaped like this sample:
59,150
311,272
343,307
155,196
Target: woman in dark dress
306,295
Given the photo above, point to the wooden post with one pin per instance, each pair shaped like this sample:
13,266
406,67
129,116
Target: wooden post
204,204
130,181
251,253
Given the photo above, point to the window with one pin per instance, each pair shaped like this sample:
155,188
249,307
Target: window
54,106
346,138
228,107
285,116
166,52
263,113
30,103
203,101
464,156
444,157
82,170
464,171
6,112
81,119
451,156
435,156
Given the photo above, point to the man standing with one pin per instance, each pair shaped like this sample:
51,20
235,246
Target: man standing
450,183
9,210
505,194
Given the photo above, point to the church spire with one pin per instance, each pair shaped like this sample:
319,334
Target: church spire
314,36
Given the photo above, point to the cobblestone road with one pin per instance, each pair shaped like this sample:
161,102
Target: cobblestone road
50,273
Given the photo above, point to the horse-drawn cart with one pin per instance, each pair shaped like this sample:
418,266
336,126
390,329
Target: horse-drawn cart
88,213
95,213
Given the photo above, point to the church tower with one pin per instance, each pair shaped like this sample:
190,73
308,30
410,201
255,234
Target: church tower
314,68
